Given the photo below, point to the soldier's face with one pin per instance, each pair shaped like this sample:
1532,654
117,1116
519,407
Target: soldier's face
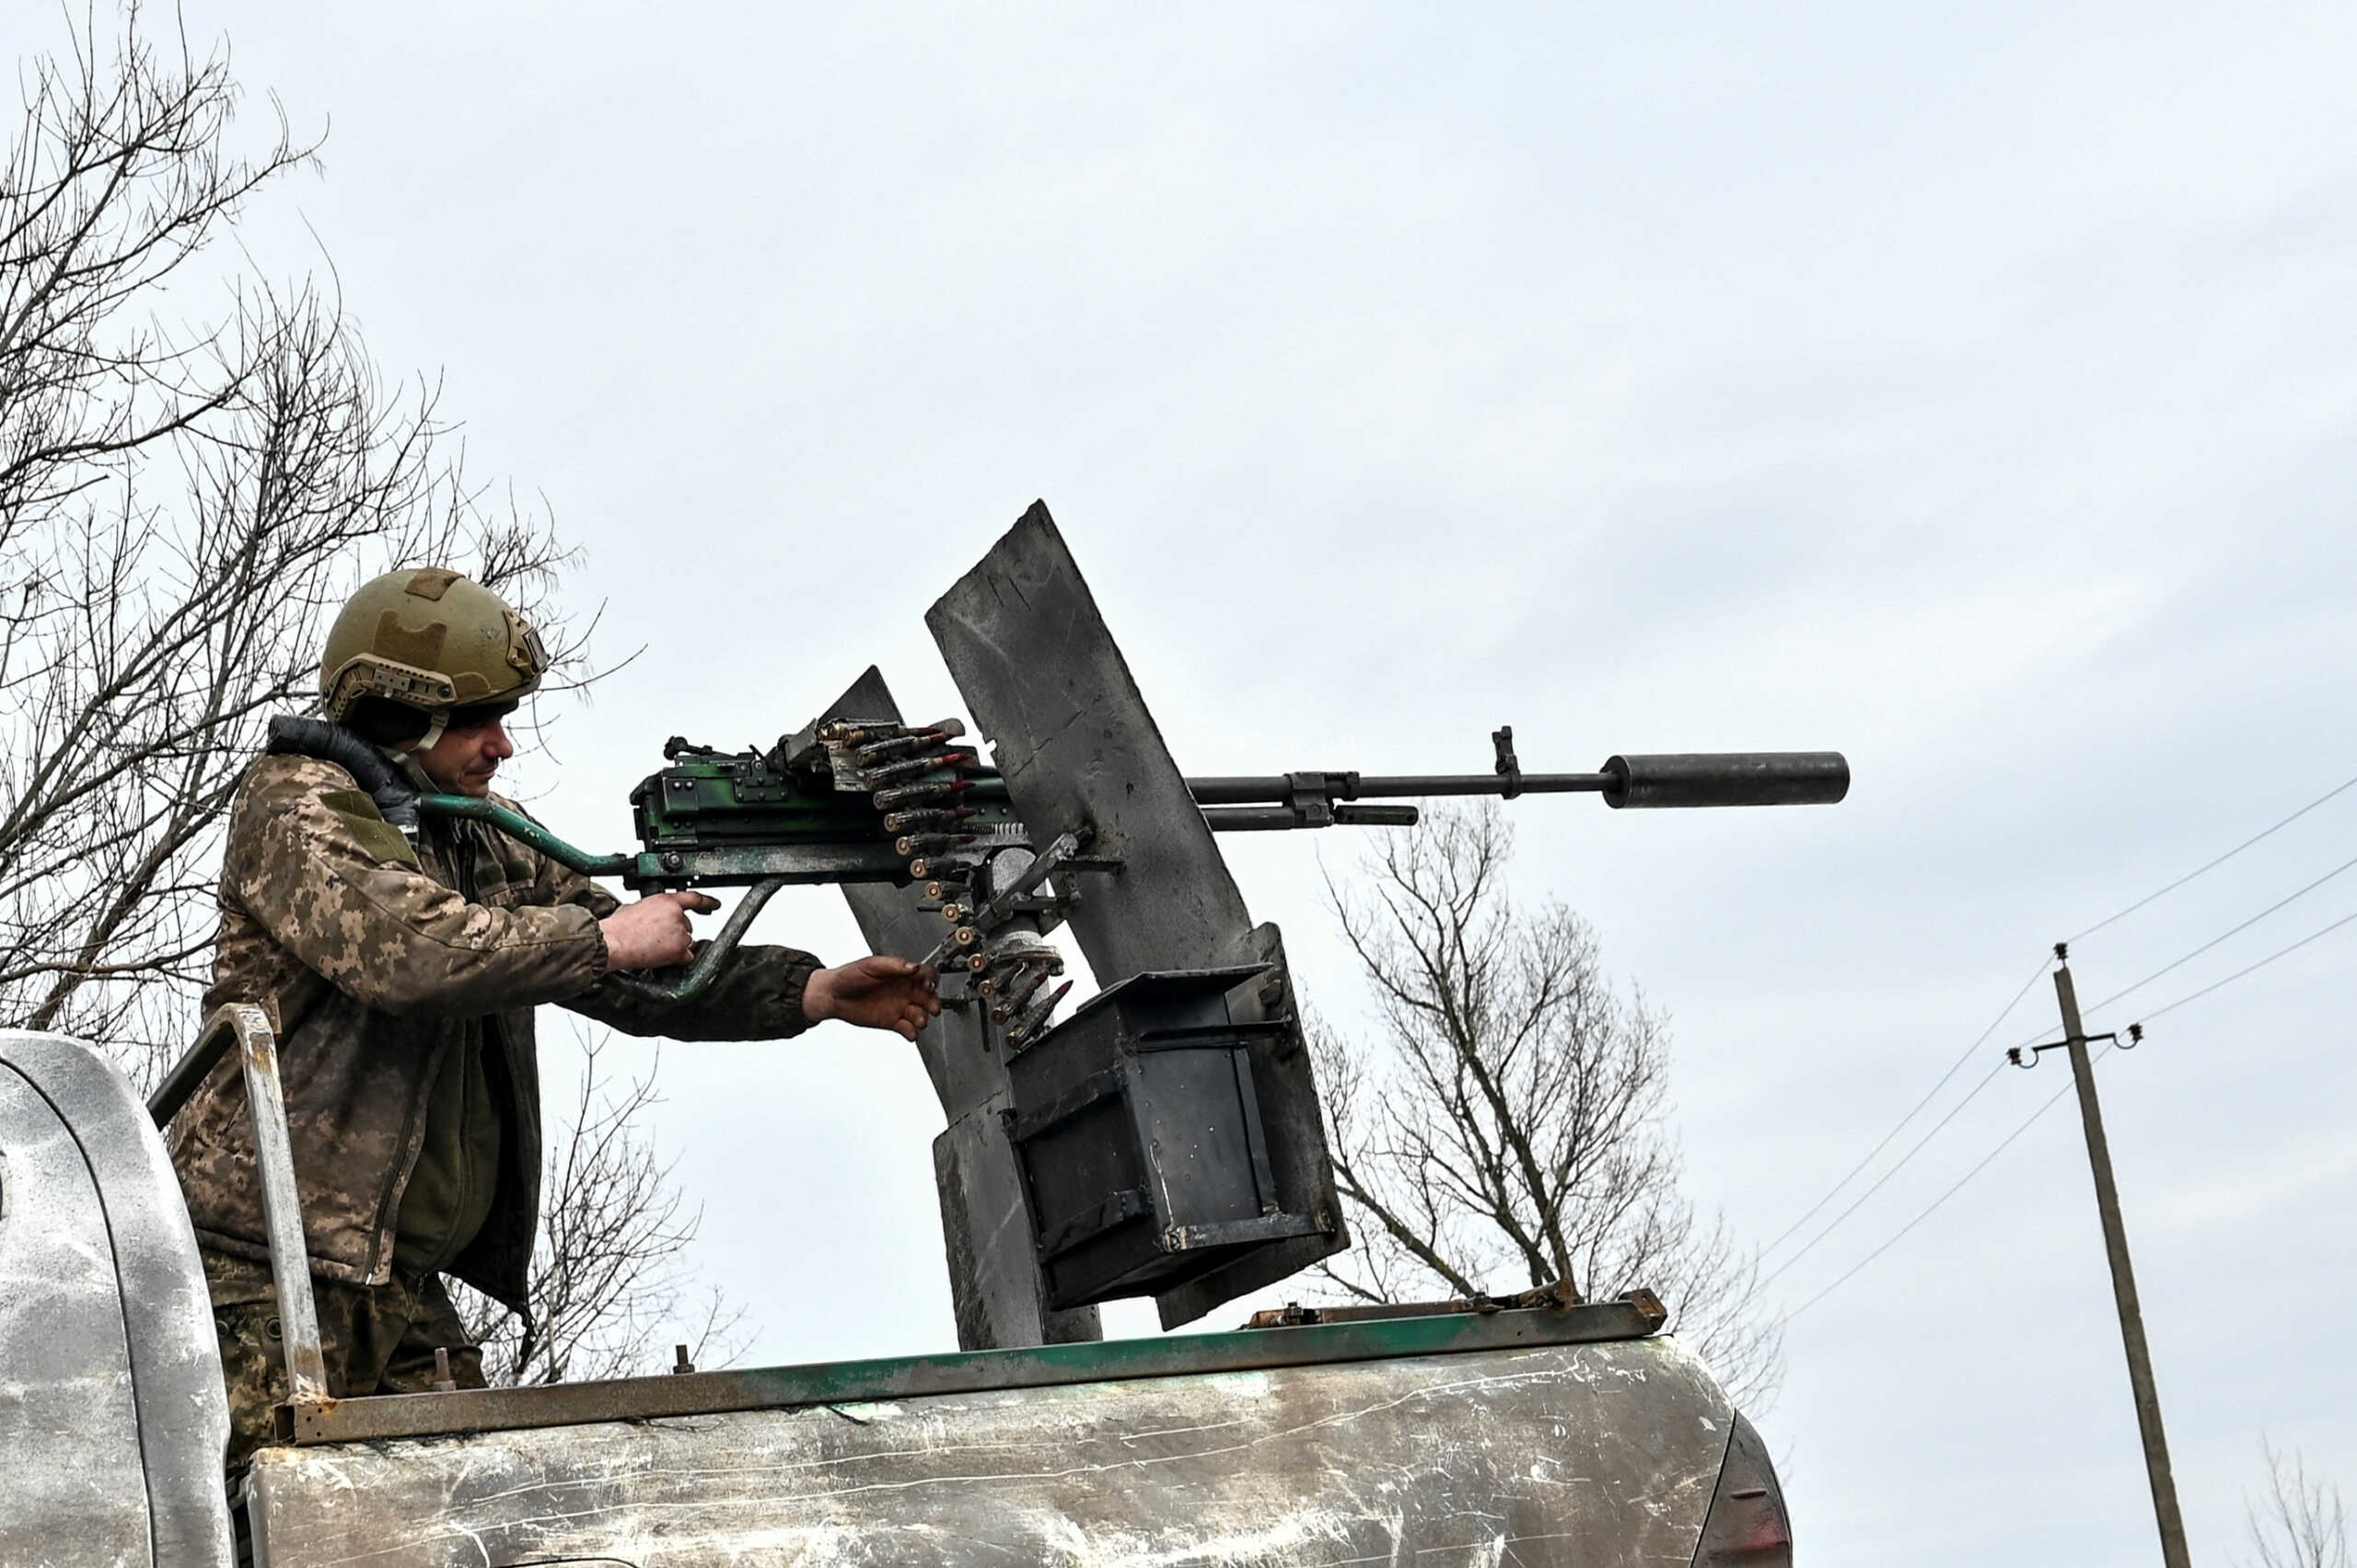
463,760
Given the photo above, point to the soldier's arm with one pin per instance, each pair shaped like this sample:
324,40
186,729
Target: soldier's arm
345,895
757,995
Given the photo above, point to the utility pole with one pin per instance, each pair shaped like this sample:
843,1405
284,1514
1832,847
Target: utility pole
2123,1276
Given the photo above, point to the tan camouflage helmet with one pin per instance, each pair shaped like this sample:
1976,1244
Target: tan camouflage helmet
429,639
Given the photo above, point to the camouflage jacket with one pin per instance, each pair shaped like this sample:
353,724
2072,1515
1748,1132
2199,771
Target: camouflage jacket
373,960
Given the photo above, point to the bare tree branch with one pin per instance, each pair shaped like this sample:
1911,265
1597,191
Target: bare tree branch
182,507
608,1281
1507,1128
2300,1523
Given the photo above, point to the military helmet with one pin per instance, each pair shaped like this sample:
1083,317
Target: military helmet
429,639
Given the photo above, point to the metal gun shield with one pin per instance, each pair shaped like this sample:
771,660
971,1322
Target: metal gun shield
1078,749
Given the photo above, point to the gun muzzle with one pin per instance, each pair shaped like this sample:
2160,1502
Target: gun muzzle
1727,778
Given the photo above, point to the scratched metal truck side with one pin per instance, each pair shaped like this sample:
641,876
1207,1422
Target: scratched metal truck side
1535,1436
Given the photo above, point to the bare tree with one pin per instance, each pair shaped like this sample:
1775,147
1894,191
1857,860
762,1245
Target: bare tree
1507,1128
180,504
608,1284
2300,1523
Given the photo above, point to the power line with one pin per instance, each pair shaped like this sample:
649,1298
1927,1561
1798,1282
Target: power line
2235,931
1933,1207
1901,1126
2010,1138
1899,1164
2212,866
2278,953
1933,1093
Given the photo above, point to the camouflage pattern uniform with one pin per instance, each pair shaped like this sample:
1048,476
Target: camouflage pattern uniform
375,1339
375,962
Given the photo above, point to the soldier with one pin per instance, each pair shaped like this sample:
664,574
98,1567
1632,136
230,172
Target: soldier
401,981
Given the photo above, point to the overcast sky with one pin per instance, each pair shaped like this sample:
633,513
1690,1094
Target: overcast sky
1968,387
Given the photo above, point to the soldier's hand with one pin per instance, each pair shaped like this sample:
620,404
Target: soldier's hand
876,992
654,933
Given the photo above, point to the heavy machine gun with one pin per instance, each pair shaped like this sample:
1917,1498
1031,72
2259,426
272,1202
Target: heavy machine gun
852,801
1166,1138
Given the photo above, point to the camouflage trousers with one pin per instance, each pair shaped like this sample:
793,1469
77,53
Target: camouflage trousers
376,1340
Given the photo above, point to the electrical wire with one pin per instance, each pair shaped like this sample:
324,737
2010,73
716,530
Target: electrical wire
2231,931
2010,1138
2235,931
2278,953
2212,866
1933,1093
1899,1164
1957,1065
1933,1206
1901,1126
2051,1100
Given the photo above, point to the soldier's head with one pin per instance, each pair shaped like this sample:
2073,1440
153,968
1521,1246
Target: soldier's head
426,661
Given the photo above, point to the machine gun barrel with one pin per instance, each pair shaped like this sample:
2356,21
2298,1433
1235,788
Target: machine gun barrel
1280,787
1681,778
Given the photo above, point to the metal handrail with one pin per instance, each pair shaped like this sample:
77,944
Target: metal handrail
246,1027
